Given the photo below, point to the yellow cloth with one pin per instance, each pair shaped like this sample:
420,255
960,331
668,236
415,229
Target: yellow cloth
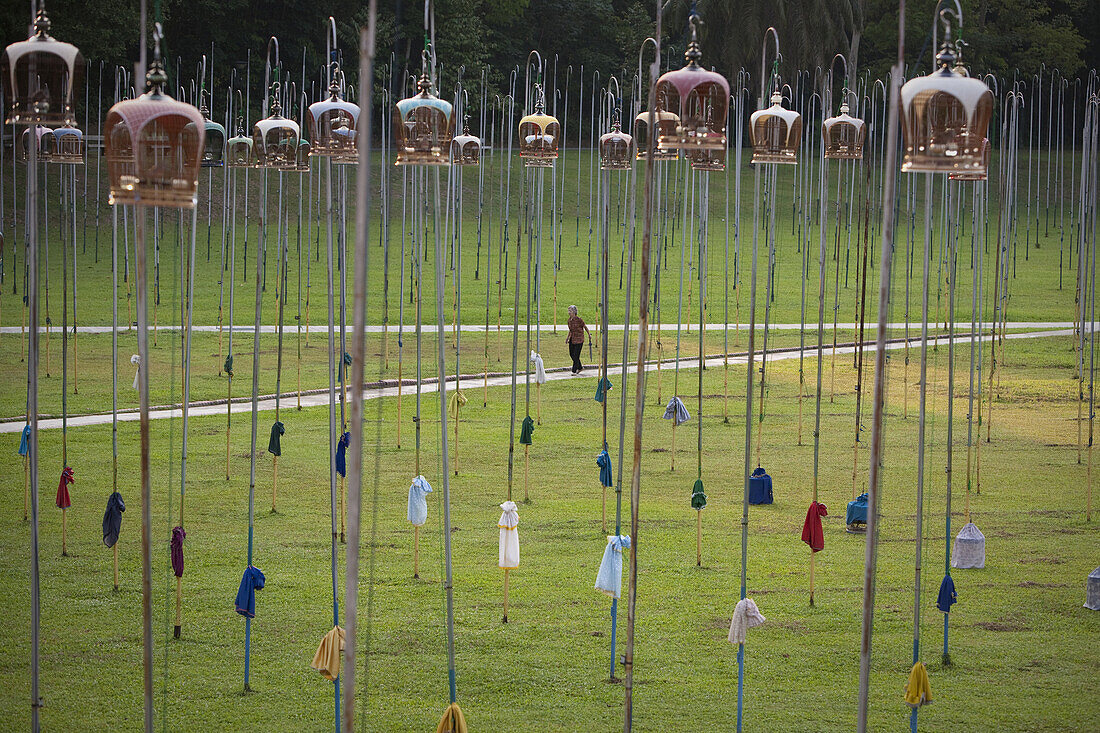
457,400
453,721
327,659
918,691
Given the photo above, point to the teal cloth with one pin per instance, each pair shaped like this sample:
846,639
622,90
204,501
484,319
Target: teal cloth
229,365
602,388
698,496
526,431
603,460
24,442
274,444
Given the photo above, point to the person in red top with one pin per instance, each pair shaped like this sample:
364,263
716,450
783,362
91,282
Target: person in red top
575,340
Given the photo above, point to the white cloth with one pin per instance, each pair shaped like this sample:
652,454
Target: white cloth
1092,591
745,616
418,501
609,579
136,361
969,549
540,370
509,535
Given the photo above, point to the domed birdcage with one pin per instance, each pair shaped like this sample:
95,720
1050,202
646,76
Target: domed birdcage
64,144
154,145
466,148
844,136
699,101
238,149
275,138
538,135
423,125
707,161
666,123
776,132
945,115
616,149
24,147
39,75
213,148
332,123
977,174
301,163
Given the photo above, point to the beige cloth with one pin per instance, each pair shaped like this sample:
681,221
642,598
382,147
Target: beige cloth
745,616
327,659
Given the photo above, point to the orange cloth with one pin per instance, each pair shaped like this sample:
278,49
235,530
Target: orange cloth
327,659
453,720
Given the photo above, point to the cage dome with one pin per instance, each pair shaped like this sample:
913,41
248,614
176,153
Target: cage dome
616,149
275,138
38,77
466,148
945,118
423,127
844,136
332,124
153,147
64,145
666,123
538,135
776,133
213,148
969,550
700,101
238,149
1092,591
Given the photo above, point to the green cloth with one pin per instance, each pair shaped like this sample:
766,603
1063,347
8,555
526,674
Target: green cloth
229,365
274,444
698,497
527,430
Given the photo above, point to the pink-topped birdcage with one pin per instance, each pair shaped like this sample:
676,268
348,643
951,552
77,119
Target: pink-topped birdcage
698,98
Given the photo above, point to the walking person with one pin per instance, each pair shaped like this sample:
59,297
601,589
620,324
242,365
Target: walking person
577,329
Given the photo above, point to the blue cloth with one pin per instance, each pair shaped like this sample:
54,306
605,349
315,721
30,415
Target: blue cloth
603,460
341,454
609,579
947,596
251,581
25,441
418,501
112,519
857,510
676,412
760,487
602,388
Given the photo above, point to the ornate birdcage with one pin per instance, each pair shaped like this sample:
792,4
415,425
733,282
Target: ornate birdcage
538,135
699,101
238,149
616,149
24,147
423,125
776,132
844,136
979,174
466,148
65,145
707,161
332,124
275,138
301,163
39,75
666,123
213,148
154,145
945,116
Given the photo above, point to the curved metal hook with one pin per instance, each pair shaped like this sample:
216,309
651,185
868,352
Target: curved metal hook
764,78
940,16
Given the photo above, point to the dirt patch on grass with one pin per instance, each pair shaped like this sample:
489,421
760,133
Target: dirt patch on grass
1033,584
1005,623
1040,561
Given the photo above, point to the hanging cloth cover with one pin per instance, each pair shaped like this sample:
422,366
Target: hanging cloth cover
509,535
526,431
698,496
136,361
341,454
457,400
602,388
178,536
251,581
344,367
112,519
947,596
229,365
676,412
812,534
274,444
745,616
918,691
25,441
760,487
1092,591
857,510
418,501
62,500
603,460
327,659
453,720
969,550
540,369
609,579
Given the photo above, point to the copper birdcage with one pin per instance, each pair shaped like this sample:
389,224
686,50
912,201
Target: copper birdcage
945,116
301,163
423,126
64,145
213,149
698,98
332,124
776,132
154,146
666,123
39,75
844,136
978,174
616,149
707,161
275,138
466,148
238,149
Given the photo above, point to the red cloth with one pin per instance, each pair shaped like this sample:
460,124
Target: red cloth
62,500
812,533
